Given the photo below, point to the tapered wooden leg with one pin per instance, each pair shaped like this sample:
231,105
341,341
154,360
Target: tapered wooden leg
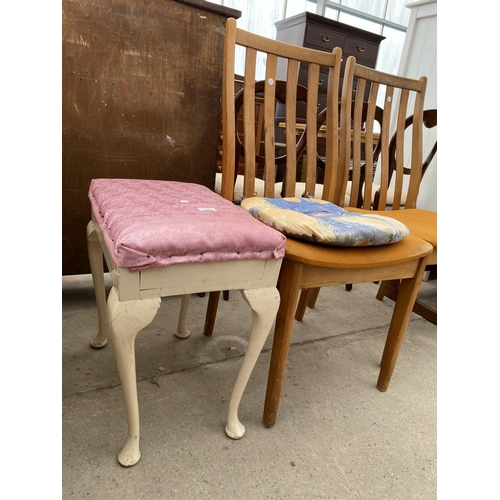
313,297
408,291
213,304
305,296
264,303
126,320
290,276
182,332
388,289
97,270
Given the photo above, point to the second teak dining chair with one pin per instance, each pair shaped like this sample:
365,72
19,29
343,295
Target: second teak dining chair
308,264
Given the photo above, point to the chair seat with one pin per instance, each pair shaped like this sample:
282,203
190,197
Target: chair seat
421,223
407,250
375,188
148,224
300,188
238,187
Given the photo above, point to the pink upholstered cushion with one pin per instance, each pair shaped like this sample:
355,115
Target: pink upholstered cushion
149,223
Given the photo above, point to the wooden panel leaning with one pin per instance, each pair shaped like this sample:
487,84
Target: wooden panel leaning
307,264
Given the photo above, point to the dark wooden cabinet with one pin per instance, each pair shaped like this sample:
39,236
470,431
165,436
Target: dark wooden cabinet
141,89
317,32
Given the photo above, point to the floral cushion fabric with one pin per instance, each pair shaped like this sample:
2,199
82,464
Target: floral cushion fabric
149,223
322,222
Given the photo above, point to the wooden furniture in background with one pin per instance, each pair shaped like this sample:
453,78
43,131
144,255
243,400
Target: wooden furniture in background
140,99
320,33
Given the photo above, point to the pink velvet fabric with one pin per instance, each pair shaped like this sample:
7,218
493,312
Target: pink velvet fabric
148,223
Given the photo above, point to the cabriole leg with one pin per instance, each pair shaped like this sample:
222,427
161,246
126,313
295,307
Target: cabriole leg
264,303
126,320
97,270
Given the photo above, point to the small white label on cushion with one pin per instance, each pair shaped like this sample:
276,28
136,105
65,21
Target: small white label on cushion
207,209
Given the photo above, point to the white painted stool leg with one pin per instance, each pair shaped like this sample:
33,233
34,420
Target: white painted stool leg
97,270
126,320
264,303
182,332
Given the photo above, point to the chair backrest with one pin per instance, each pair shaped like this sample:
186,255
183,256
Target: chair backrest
281,98
282,62
399,97
430,121
377,117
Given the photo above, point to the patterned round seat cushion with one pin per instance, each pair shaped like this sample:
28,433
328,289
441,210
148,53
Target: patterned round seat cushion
322,222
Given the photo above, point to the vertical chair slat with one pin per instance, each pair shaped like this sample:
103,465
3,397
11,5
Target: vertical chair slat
229,129
400,152
332,134
369,147
417,141
269,110
357,125
311,116
291,129
249,131
345,131
384,138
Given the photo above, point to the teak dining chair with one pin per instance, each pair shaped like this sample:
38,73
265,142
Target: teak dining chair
280,159
390,157
422,223
162,238
398,199
306,264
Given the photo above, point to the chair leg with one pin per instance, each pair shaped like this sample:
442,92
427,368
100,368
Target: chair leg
308,297
408,291
427,312
182,332
313,298
290,276
304,299
264,303
213,303
126,320
97,270
388,289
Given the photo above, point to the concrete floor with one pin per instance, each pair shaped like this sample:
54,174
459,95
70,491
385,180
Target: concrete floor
336,436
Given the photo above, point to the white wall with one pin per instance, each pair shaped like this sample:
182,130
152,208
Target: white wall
419,58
